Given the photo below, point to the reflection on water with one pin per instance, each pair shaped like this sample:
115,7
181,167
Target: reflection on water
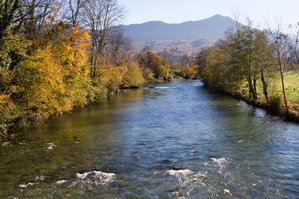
176,140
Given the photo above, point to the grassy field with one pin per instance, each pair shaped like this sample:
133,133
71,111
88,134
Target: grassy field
292,87
291,80
275,89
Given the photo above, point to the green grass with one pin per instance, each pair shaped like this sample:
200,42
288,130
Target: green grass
275,89
292,87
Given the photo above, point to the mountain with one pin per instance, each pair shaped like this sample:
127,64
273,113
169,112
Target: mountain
212,28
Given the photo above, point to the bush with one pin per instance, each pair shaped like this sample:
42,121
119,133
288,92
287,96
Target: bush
275,104
190,72
9,114
133,77
161,71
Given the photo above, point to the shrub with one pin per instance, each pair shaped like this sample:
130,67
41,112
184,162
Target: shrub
9,114
133,77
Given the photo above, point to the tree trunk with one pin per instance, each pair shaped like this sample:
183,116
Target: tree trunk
283,86
254,86
265,85
252,94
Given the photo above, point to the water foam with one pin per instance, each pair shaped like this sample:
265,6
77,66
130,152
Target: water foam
36,181
50,146
96,177
82,175
61,182
5,144
182,172
40,178
164,87
221,162
192,152
186,176
26,185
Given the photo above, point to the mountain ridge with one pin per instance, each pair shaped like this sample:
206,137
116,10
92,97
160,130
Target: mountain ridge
212,28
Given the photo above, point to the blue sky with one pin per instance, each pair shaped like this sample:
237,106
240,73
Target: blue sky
176,11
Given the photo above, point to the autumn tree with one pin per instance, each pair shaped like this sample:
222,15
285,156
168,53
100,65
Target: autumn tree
100,17
8,10
35,14
11,50
73,12
117,46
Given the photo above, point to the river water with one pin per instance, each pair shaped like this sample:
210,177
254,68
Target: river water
176,140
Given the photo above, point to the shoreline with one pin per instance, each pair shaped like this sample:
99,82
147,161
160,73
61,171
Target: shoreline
289,117
11,135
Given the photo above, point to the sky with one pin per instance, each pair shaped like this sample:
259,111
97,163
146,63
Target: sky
261,12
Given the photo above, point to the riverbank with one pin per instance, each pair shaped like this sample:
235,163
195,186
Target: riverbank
108,89
18,113
177,140
247,65
274,108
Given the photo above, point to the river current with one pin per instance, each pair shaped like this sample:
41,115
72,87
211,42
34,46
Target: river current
176,140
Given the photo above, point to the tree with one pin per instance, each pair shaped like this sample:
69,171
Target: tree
73,12
100,17
282,49
263,59
118,46
133,76
9,55
35,14
8,10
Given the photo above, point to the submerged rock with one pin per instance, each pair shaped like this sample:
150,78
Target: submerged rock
178,168
166,161
227,192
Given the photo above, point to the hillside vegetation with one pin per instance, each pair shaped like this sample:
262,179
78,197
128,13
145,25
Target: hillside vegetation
261,67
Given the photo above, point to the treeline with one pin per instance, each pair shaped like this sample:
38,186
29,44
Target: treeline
58,55
159,67
258,66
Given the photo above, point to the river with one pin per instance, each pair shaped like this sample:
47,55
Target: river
176,140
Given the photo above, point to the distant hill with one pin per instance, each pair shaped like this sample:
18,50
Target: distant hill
212,28
175,47
179,39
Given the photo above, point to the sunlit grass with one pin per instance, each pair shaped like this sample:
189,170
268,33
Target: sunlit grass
291,80
292,87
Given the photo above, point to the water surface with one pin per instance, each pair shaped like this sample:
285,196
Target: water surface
174,141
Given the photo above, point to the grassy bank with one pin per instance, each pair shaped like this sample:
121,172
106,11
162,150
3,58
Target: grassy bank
256,66
275,105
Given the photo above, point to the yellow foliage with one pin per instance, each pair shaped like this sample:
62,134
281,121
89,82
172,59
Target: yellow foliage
109,77
114,74
72,56
190,72
39,84
133,76
72,50
162,71
8,114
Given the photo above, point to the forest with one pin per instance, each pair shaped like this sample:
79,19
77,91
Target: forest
59,55
259,66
